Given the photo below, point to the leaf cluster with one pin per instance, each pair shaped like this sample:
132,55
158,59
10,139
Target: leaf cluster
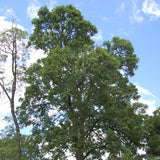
61,26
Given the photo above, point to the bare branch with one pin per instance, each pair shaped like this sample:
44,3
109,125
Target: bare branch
4,89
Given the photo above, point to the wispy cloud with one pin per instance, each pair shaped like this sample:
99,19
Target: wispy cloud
52,4
98,36
136,14
4,24
147,98
104,18
78,4
10,12
151,8
121,8
34,6
144,91
36,54
33,9
3,123
7,24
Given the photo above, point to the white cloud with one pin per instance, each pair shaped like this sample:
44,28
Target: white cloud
78,4
51,4
150,7
136,15
150,110
35,5
7,25
3,123
33,9
34,56
98,36
4,105
121,8
150,103
10,12
144,91
4,24
147,98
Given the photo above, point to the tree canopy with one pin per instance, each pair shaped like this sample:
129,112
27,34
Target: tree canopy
64,25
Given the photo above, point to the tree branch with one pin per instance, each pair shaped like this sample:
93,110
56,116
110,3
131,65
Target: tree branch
4,89
102,146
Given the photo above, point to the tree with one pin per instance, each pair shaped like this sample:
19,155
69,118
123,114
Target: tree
9,149
153,133
13,53
79,101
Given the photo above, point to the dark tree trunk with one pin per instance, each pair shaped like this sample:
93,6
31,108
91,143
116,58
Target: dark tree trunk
18,135
14,85
79,155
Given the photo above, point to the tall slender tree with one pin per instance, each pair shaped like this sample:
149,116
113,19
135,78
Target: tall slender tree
13,56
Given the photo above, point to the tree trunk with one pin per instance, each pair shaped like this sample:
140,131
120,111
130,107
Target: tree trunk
79,155
14,84
18,135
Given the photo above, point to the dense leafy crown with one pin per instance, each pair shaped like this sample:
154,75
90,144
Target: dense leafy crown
60,27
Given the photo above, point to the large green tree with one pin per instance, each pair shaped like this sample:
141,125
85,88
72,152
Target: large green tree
79,96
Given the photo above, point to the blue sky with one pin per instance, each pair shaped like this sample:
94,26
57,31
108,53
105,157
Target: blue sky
135,20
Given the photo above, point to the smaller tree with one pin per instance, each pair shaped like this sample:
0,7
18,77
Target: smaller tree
9,148
13,56
153,133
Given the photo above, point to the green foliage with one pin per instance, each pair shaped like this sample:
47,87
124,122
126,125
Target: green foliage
9,148
62,26
153,133
124,50
92,100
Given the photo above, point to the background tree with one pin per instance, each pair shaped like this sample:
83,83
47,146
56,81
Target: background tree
78,100
9,148
13,56
153,133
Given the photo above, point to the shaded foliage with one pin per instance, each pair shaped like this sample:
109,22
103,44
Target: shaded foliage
153,133
9,149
